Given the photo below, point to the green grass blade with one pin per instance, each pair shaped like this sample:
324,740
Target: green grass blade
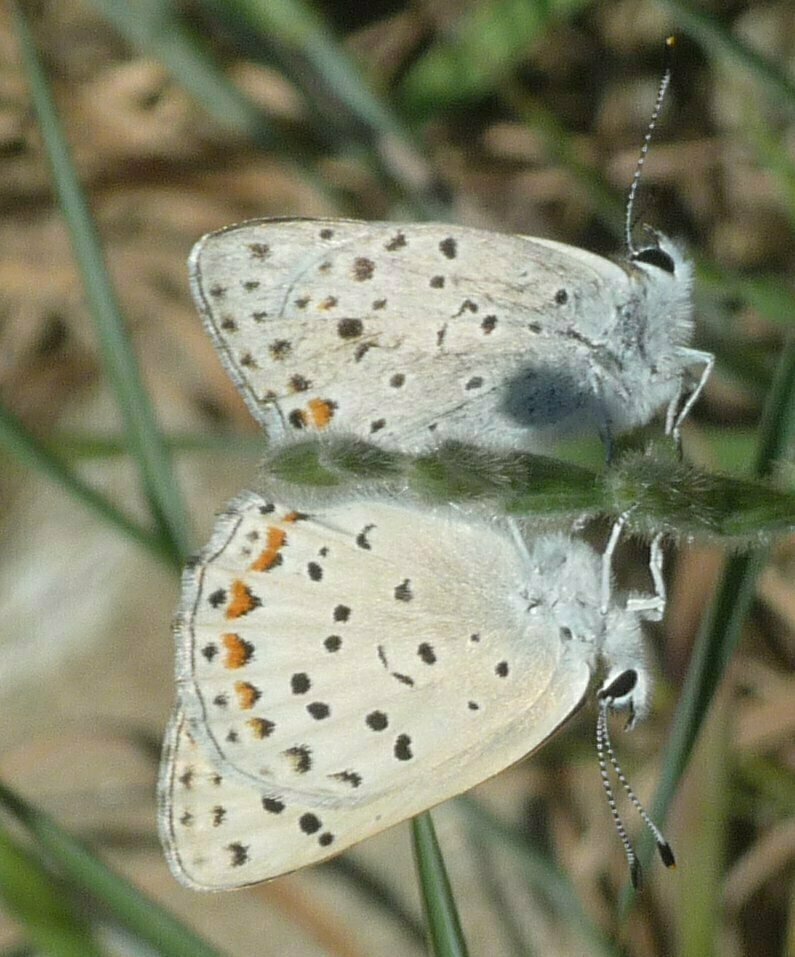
41,904
445,936
717,640
777,428
296,24
720,42
660,494
19,442
76,446
710,817
145,440
86,874
650,488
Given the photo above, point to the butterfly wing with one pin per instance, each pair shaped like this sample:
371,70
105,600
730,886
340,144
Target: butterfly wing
221,834
355,665
404,333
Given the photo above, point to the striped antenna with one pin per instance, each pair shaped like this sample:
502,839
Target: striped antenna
670,42
619,688
632,858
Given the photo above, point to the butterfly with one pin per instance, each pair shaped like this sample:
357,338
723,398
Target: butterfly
407,335
342,669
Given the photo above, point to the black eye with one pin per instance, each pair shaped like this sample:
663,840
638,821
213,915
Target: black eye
654,256
621,685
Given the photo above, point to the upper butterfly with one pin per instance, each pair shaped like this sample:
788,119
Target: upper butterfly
409,335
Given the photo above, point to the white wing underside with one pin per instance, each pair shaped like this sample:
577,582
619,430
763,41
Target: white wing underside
363,684
406,334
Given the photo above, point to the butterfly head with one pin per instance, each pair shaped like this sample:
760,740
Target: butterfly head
627,685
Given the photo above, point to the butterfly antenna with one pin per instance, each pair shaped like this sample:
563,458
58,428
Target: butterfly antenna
604,743
670,42
602,740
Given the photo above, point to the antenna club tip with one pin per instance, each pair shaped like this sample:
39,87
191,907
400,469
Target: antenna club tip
667,855
670,41
636,874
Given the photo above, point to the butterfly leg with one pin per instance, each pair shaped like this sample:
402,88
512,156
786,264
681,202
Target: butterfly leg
607,558
674,418
653,606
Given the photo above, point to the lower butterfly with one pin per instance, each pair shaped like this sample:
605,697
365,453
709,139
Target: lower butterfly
343,669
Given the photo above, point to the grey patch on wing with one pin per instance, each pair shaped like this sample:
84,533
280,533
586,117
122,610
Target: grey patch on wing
544,396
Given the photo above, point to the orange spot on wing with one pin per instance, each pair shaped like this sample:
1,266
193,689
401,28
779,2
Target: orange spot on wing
260,727
275,539
242,600
238,650
320,412
247,694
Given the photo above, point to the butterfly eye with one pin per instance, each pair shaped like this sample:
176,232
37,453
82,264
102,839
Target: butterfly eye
654,256
619,687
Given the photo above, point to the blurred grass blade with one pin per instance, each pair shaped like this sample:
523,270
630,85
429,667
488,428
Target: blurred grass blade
155,28
378,893
722,627
777,428
543,875
144,437
301,28
720,42
709,816
93,445
773,153
18,441
560,144
86,874
297,24
771,298
41,904
497,894
441,915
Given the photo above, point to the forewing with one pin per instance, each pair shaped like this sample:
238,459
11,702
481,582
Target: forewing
399,332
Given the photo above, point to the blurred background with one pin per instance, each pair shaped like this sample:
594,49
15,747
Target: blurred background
517,115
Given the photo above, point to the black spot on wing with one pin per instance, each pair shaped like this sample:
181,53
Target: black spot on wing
300,683
238,854
449,247
402,748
